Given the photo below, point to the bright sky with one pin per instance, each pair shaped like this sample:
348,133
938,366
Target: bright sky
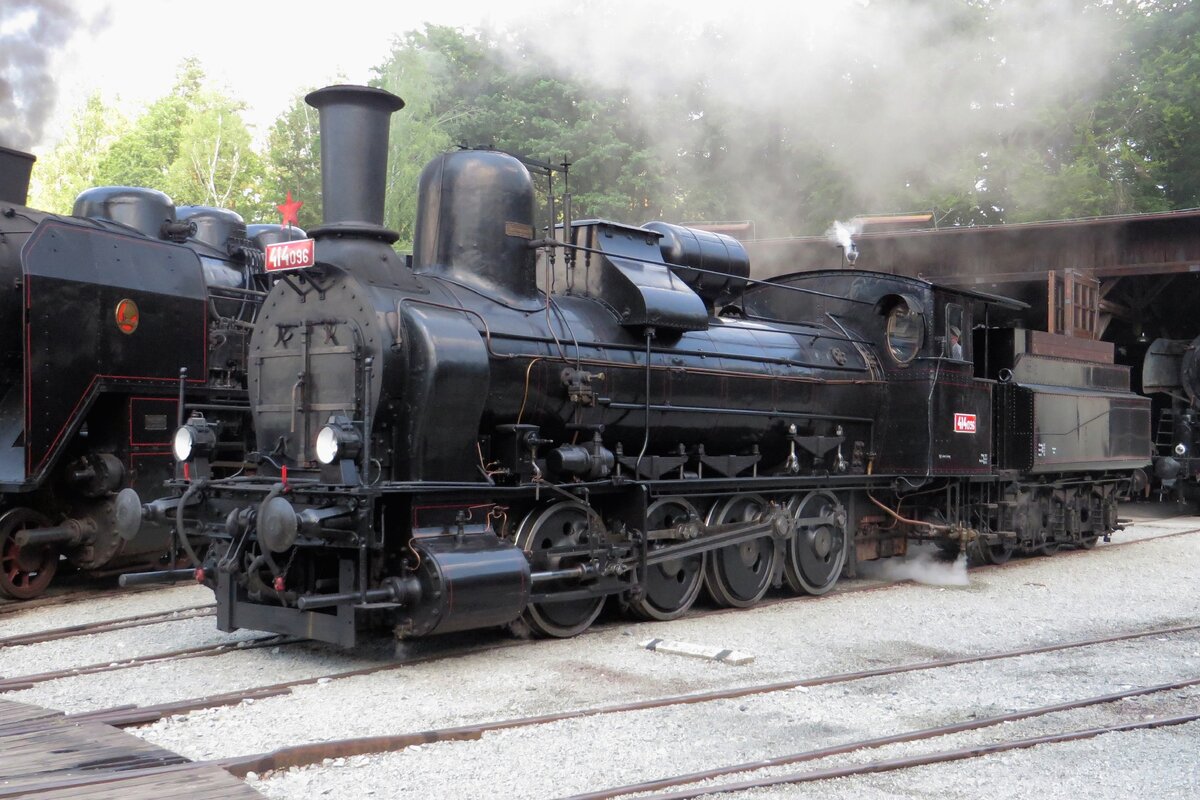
264,52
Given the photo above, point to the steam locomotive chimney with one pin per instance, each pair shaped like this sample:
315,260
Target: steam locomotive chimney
354,149
15,167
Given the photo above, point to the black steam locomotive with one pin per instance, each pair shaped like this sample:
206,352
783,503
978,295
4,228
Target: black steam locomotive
513,429
1171,369
104,309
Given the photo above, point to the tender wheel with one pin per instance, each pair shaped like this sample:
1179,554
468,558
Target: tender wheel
738,575
1089,542
25,572
816,552
560,525
670,587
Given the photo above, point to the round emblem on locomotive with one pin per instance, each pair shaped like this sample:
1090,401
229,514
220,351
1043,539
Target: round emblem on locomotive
127,315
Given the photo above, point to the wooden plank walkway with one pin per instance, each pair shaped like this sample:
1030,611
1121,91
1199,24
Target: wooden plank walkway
45,756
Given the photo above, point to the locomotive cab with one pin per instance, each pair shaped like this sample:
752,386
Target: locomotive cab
936,419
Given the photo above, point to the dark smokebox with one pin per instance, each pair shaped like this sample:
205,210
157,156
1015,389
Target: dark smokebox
15,167
354,145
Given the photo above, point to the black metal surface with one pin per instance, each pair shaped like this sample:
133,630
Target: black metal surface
106,308
475,223
720,263
69,266
354,126
470,581
623,275
15,169
143,210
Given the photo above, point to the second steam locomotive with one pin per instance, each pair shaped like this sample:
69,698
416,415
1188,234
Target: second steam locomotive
514,429
103,309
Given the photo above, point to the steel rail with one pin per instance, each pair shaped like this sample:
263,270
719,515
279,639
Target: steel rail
105,626
22,682
880,741
307,754
12,606
941,757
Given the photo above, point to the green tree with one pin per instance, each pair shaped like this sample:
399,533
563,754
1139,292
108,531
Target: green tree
419,132
193,145
74,163
486,90
144,154
293,162
215,164
1155,108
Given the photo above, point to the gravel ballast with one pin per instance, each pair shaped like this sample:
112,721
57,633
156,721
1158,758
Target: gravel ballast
1027,603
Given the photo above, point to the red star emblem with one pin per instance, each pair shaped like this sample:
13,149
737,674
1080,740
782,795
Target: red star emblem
290,210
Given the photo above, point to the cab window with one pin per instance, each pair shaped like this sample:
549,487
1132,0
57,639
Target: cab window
905,332
955,345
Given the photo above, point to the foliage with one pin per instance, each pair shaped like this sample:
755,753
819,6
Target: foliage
191,144
418,132
293,163
1156,105
74,165
485,90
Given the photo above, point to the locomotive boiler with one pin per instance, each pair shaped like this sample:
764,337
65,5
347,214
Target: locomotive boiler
511,429
105,310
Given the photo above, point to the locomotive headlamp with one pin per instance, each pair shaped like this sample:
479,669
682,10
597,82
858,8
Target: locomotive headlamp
1181,449
196,439
338,440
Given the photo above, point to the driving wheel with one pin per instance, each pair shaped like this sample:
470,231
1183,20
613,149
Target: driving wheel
816,551
669,587
25,572
738,575
562,525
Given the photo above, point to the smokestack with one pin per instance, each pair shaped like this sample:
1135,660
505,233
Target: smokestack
15,167
354,145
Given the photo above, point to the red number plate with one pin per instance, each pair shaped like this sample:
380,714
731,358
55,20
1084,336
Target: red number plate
964,423
291,255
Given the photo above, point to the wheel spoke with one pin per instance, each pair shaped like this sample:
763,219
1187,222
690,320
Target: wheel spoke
816,551
24,572
565,524
669,587
738,575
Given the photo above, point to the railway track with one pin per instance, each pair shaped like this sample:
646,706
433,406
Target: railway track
300,755
315,753
26,681
308,754
134,715
106,626
8,606
889,765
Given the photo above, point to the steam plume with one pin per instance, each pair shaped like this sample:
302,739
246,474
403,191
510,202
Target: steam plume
32,32
842,233
921,567
889,94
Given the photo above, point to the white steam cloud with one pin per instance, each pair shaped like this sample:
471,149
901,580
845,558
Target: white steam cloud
890,94
921,567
